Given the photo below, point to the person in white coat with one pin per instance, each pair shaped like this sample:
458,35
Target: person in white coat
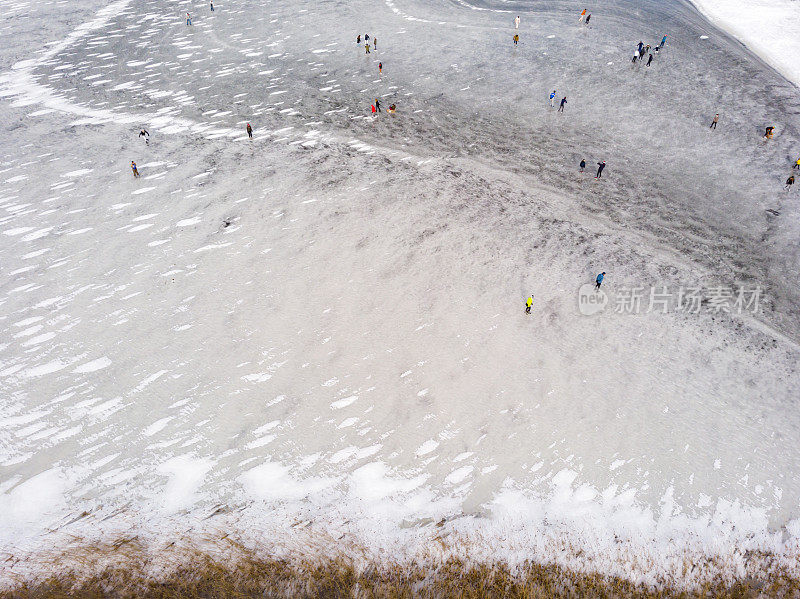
516,22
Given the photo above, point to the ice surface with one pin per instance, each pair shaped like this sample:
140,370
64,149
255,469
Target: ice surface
324,326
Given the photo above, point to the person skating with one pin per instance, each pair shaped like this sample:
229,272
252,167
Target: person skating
639,47
374,43
516,22
583,16
528,304
563,101
599,280
769,132
789,182
713,124
797,164
366,37
249,131
635,56
377,105
367,48
600,167
188,19
516,39
552,99
587,18
144,133
582,165
134,169
358,38
212,7
380,68
663,41
649,60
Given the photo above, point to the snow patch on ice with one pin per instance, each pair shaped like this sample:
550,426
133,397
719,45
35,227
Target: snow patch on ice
186,474
770,28
343,403
93,366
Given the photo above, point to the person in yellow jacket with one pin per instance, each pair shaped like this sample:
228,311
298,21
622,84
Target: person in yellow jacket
797,164
528,304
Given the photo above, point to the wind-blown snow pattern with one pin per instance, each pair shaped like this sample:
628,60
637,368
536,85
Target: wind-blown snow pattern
316,340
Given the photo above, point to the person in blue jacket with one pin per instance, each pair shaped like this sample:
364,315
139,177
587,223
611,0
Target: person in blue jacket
552,97
599,280
663,41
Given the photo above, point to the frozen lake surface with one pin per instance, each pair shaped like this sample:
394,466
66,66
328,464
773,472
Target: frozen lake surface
315,339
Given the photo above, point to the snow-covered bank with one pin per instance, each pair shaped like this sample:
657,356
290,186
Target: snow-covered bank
372,514
770,28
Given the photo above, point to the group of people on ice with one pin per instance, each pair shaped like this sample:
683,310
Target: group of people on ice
769,133
643,49
189,17
375,108
366,42
597,282
584,18
553,100
600,166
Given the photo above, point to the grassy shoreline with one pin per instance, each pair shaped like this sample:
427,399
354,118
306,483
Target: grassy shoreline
130,571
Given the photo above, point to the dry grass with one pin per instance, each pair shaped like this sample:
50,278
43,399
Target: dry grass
247,575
